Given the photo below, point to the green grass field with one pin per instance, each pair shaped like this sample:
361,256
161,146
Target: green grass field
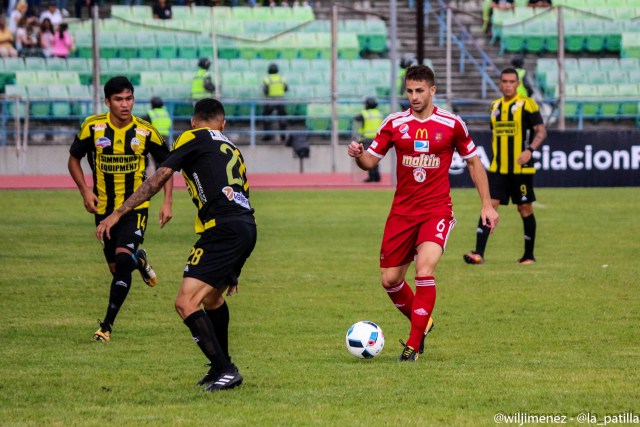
558,337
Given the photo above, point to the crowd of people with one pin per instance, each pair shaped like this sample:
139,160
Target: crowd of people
29,32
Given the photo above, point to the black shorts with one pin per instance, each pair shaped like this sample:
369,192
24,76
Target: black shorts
127,233
218,256
517,187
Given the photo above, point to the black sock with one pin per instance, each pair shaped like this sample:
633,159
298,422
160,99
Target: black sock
529,236
220,321
204,335
482,237
120,286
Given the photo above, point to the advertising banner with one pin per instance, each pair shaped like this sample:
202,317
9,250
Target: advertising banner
571,159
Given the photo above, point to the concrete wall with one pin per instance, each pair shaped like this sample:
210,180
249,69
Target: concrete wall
52,160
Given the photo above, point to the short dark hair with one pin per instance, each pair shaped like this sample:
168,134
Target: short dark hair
420,73
208,109
117,84
510,70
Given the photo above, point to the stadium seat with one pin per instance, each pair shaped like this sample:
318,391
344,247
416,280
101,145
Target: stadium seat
166,44
181,13
56,64
40,106
596,37
16,92
67,77
187,46
513,38
137,65
80,97
574,35
137,13
609,103
318,117
150,78
145,45
60,106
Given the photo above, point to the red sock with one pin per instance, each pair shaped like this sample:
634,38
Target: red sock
402,297
421,309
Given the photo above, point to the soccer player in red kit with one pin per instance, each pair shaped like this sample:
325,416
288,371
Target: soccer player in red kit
421,216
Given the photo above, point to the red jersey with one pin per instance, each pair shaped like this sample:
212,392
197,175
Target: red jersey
424,150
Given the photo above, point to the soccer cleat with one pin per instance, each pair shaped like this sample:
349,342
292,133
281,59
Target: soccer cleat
225,381
209,376
147,273
473,258
526,261
408,354
103,334
430,326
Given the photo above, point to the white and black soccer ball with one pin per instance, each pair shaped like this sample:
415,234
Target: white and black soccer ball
365,340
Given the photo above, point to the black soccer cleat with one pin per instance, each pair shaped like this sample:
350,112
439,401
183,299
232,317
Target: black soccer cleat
408,354
430,327
225,381
147,273
209,376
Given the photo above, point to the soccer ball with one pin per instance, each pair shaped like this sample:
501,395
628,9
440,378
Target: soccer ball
365,340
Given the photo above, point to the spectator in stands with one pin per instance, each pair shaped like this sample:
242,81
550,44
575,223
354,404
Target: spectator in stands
162,10
160,118
27,42
53,14
63,43
6,41
274,87
369,120
202,85
16,14
524,88
539,3
81,3
46,37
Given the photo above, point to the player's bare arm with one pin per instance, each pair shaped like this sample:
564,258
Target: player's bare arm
89,198
166,212
538,139
145,192
488,214
364,159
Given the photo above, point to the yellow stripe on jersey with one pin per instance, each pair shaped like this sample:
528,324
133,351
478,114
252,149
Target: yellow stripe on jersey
120,157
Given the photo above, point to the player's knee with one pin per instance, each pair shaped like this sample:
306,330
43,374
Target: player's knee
213,301
391,280
124,262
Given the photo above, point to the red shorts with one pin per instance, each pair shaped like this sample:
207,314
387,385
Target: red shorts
403,234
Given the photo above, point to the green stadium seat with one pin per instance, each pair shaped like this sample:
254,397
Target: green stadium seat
177,78
242,13
630,47
166,45
108,44
376,36
25,78
138,13
175,64
67,77
596,37
513,38
221,13
80,95
137,65
60,106
35,64
302,14
574,35
318,117
127,45
261,13
181,13
629,64
609,103
536,39
348,47
282,14
16,92
145,45
40,106
56,64
187,46
618,76
150,78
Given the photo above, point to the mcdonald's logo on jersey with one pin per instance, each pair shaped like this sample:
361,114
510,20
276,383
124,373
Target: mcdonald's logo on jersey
421,141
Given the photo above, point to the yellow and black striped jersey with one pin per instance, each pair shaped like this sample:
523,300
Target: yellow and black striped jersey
117,156
512,124
215,174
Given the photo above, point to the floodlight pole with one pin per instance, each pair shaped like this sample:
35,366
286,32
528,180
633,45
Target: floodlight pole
561,122
95,42
393,55
334,87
